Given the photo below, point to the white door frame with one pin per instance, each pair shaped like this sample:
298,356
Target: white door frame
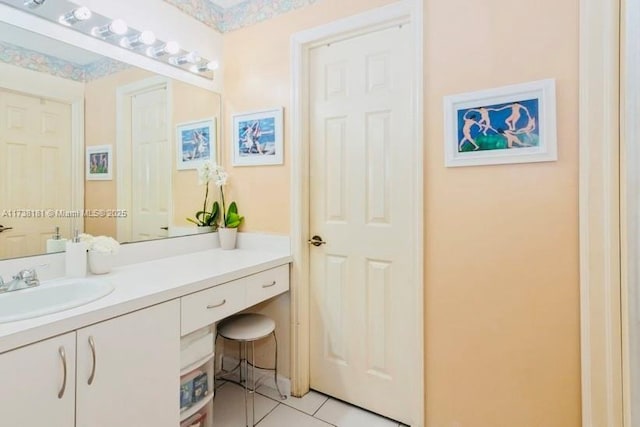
630,209
123,144
601,298
301,43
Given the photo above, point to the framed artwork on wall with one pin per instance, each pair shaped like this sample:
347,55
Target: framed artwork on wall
258,138
195,143
99,162
510,124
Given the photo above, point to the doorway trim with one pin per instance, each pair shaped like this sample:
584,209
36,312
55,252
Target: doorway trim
601,298
301,43
124,94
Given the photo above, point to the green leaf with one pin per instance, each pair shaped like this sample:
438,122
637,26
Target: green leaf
233,208
233,220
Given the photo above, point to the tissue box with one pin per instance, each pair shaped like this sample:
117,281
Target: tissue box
186,394
186,388
200,387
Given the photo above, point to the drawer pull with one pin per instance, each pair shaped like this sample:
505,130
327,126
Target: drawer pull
92,376
224,301
269,285
63,359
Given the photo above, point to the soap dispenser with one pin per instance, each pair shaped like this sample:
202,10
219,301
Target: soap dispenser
76,257
56,243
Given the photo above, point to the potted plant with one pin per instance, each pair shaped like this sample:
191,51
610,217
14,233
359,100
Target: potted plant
206,220
231,219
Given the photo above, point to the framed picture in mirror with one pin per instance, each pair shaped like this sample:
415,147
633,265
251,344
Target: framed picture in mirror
196,143
257,138
99,163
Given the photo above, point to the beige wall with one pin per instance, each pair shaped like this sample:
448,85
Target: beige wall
189,103
501,252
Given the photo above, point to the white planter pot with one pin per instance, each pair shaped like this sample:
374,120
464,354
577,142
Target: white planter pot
100,262
204,229
228,237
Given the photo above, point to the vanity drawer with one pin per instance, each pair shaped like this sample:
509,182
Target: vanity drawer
267,284
206,307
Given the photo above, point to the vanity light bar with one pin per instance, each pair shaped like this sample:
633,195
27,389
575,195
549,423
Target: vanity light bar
117,33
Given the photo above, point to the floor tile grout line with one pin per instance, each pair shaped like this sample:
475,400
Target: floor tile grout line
320,407
268,413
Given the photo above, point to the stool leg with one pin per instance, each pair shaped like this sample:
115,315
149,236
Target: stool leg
275,371
240,356
253,378
246,383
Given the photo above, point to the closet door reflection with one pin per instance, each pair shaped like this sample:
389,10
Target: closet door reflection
35,166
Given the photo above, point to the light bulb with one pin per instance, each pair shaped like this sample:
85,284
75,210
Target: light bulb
144,38
80,14
116,27
205,66
170,48
32,4
189,58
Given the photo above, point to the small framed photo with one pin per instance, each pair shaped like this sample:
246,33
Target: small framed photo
258,138
510,124
196,143
99,163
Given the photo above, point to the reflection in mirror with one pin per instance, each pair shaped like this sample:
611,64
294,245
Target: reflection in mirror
89,143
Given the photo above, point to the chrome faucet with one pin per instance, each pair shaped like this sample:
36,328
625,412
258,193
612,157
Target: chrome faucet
27,278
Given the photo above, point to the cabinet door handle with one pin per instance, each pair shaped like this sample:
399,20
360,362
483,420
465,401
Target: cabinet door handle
269,285
224,301
63,359
92,344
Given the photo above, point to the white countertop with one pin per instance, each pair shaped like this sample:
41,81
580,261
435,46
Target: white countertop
144,284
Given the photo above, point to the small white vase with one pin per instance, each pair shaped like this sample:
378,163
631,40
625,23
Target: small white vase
228,237
100,262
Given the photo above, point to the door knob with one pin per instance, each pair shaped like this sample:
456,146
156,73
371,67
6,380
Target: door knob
164,228
316,241
3,228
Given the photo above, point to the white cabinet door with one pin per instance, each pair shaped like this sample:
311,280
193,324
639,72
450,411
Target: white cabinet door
134,379
33,389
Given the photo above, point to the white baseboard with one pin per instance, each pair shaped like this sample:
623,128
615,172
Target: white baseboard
263,376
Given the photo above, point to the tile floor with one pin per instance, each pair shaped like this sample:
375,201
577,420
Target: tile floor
313,410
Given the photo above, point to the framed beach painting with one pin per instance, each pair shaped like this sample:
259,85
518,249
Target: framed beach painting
257,138
195,143
510,124
99,163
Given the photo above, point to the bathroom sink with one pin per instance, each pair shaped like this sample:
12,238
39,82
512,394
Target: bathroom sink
51,297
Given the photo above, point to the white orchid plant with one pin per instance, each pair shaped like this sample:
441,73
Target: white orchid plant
102,244
207,172
230,217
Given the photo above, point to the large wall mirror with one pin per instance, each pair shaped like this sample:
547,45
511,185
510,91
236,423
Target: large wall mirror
63,108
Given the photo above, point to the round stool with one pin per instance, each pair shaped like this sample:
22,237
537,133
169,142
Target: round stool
247,328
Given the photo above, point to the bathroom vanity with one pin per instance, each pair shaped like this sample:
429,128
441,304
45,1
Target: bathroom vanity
116,361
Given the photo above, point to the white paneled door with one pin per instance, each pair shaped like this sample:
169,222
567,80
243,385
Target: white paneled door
151,171
363,314
35,171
